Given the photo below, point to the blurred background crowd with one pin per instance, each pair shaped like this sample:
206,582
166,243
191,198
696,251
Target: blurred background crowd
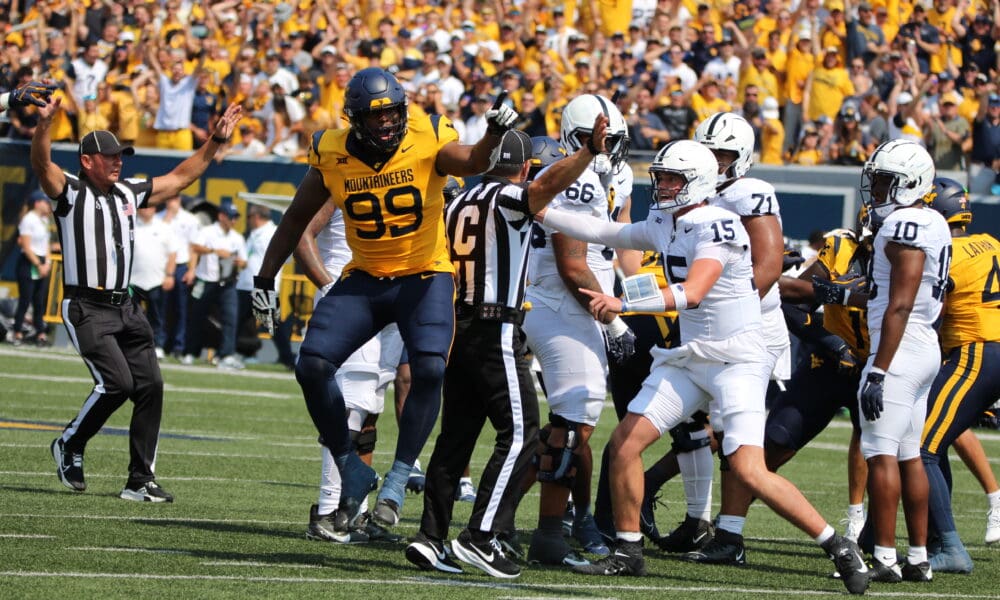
823,81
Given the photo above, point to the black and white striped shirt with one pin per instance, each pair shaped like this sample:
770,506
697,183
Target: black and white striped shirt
96,231
488,232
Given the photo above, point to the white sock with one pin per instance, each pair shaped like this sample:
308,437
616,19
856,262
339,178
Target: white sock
696,470
329,484
917,555
732,523
994,499
629,536
856,511
827,533
886,556
464,480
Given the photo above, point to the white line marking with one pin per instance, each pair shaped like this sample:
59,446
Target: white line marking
250,563
28,536
131,550
473,584
173,390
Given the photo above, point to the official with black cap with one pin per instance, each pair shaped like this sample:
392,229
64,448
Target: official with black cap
487,376
95,213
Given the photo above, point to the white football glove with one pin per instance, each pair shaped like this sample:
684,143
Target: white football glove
264,303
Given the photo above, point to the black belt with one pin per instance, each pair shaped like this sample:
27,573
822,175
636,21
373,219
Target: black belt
489,312
116,297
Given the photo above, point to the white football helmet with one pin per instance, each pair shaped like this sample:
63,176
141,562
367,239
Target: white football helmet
728,131
578,119
692,161
900,173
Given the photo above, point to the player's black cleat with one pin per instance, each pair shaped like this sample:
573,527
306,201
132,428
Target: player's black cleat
883,573
357,481
625,559
920,573
149,491
725,548
374,531
847,559
69,466
386,513
323,528
692,534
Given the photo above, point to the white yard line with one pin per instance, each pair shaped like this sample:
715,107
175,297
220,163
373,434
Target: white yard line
250,563
462,583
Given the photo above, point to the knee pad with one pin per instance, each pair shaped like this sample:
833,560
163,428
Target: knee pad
684,440
557,464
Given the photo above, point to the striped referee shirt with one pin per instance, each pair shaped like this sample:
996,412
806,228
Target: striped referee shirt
97,231
488,231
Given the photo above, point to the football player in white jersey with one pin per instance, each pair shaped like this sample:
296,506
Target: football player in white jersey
907,284
363,378
567,342
731,140
722,363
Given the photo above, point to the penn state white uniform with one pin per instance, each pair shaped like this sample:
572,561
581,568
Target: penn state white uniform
380,355
564,337
752,197
910,375
722,363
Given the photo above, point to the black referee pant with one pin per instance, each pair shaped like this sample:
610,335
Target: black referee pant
487,377
116,343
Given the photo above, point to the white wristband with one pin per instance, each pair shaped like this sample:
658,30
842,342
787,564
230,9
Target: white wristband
616,328
5,101
680,298
847,294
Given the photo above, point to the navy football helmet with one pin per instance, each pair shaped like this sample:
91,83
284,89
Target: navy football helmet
951,199
544,152
376,91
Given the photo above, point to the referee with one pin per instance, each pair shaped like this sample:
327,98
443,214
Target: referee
95,213
487,376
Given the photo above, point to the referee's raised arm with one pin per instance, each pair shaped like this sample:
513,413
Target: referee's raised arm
169,185
50,176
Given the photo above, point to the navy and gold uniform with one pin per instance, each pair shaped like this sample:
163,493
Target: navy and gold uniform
392,211
400,272
969,379
825,383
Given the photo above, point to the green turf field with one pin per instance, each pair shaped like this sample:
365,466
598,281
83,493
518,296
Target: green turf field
239,453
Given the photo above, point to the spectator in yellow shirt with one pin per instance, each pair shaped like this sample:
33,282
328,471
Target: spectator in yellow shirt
830,85
772,134
808,152
799,66
705,98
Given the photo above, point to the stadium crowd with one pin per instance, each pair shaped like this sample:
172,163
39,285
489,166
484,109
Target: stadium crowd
821,81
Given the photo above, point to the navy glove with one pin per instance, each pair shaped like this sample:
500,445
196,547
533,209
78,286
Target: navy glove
871,394
839,290
619,343
846,363
33,92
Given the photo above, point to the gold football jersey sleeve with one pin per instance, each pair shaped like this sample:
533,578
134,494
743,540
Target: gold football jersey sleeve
393,211
972,310
850,324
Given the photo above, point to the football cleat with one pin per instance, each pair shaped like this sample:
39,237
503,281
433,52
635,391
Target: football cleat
586,533
149,491
726,548
847,559
386,513
920,573
321,528
69,466
626,559
692,534
550,548
884,573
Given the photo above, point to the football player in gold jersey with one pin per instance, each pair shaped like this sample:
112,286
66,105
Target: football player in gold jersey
968,381
386,173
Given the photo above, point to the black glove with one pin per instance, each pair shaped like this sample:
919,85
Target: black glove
792,258
620,348
839,290
500,118
264,303
871,394
33,92
846,363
